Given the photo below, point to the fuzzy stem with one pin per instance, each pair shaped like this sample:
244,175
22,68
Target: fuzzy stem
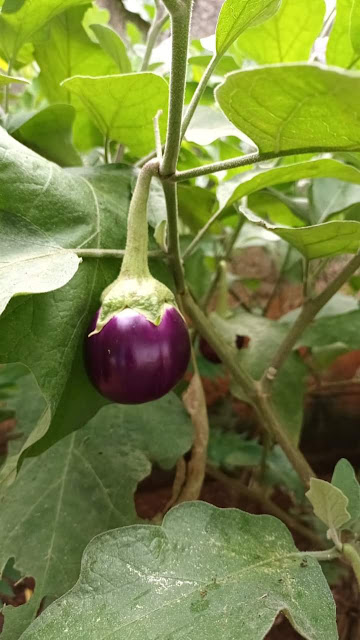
180,12
154,32
352,556
243,161
170,192
135,262
110,253
198,93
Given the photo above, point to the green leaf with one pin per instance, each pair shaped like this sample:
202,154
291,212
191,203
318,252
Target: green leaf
250,182
265,337
229,449
18,28
355,27
288,36
320,240
324,355
329,503
30,262
236,568
195,207
73,494
5,80
330,196
113,45
48,132
344,478
279,111
238,15
342,47
123,106
209,124
63,49
83,207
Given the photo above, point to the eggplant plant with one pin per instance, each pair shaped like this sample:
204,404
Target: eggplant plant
139,167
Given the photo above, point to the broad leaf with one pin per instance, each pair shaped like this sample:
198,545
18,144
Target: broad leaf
48,132
195,206
206,573
355,27
18,27
344,478
63,49
113,45
30,262
208,125
330,196
329,503
288,36
238,15
123,106
276,106
45,332
5,80
342,48
252,181
79,489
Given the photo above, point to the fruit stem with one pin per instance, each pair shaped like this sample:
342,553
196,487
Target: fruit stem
135,262
222,306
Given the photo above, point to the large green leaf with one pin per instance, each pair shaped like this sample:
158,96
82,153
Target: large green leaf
111,42
329,503
252,181
277,106
48,132
206,573
342,49
288,36
79,208
123,106
30,261
355,27
63,49
238,15
329,196
18,27
79,489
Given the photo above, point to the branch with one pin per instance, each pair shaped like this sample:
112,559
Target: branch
243,161
308,313
154,32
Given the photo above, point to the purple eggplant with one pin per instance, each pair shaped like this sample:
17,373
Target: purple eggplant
132,360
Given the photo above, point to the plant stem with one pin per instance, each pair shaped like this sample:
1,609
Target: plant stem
154,32
7,88
157,135
252,389
110,253
259,496
352,556
180,12
198,93
107,156
308,313
243,161
170,192
135,262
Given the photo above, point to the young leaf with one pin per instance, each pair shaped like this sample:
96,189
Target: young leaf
73,492
18,27
344,478
355,27
123,106
113,45
30,262
48,132
238,15
63,49
342,48
277,106
329,503
250,182
206,573
288,36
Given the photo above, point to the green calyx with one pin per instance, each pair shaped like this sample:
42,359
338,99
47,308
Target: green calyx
146,295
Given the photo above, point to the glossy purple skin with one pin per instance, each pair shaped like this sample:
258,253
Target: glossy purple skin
132,361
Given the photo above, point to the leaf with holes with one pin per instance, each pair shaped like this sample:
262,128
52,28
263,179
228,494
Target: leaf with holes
206,573
276,106
72,493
